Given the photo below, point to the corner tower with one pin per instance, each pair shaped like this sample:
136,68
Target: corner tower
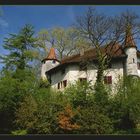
131,52
48,63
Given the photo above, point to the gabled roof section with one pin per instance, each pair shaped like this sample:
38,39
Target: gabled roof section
115,51
129,40
51,55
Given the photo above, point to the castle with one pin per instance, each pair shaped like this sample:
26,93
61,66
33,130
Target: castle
125,61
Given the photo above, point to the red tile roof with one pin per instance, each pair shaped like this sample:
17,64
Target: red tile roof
114,51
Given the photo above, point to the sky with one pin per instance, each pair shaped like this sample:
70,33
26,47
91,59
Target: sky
13,18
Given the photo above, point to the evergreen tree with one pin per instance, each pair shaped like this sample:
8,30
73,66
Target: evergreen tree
22,49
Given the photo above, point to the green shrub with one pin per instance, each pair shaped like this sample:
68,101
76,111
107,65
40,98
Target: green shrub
124,107
92,121
80,94
38,113
19,132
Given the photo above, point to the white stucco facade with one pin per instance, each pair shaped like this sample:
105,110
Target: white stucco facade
72,74
64,74
138,60
47,65
131,63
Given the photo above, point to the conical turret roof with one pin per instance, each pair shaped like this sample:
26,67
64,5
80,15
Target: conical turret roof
51,55
129,40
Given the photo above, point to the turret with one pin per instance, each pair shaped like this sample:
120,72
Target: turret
48,63
131,52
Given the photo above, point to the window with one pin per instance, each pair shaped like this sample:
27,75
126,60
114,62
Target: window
61,84
82,79
138,65
133,60
58,86
53,61
64,83
108,79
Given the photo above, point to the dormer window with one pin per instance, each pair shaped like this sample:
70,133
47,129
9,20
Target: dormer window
53,61
43,62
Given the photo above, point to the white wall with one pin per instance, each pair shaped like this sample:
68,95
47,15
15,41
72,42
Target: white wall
72,74
131,67
59,76
47,65
138,59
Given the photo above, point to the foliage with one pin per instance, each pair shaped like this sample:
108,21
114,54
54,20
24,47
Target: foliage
106,31
65,41
91,116
26,118
19,132
124,107
80,94
29,105
22,49
40,110
38,114
93,121
66,120
44,83
13,88
101,94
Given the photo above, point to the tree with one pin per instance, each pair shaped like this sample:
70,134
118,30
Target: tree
22,49
103,31
43,43
66,41
90,116
37,113
124,107
124,21
14,86
99,30
93,121
26,113
66,120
